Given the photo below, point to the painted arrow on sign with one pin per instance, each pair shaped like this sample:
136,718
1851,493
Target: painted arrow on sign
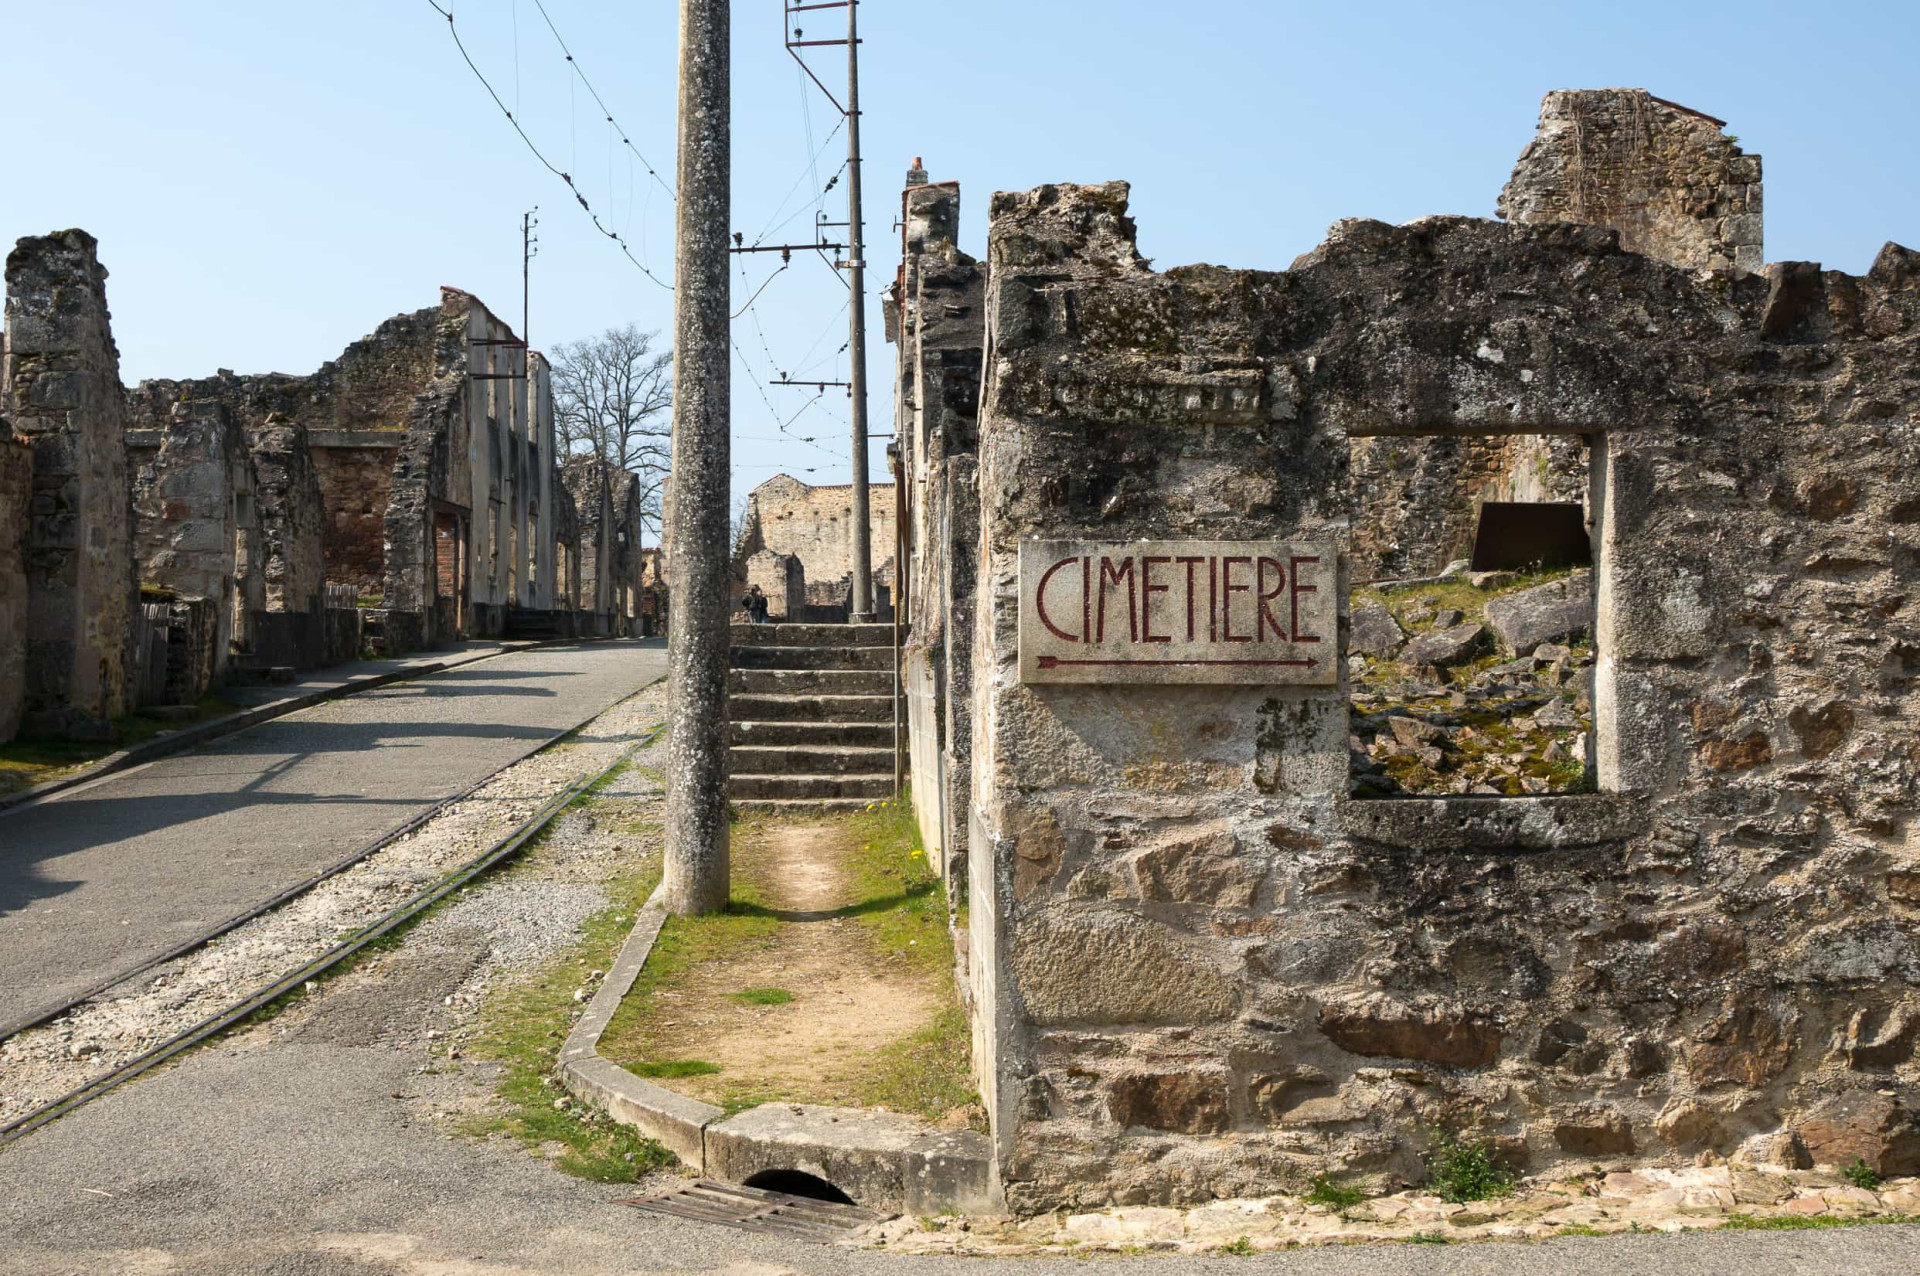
1055,662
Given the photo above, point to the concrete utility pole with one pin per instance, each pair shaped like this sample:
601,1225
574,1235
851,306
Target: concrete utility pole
857,343
696,878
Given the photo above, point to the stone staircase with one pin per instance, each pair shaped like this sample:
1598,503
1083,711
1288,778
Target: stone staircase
812,716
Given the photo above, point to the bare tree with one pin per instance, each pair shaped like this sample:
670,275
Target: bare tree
611,398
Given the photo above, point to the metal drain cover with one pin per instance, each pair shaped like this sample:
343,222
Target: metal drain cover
753,1209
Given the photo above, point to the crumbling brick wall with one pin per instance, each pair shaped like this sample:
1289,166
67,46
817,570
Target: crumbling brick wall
60,386
588,482
16,495
1199,969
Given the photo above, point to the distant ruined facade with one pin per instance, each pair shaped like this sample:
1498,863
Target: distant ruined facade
814,526
155,541
1195,966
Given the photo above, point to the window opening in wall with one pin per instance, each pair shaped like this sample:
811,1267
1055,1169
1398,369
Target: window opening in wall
1471,653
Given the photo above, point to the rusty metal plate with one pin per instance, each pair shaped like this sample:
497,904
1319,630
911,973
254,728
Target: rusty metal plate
1516,535
752,1209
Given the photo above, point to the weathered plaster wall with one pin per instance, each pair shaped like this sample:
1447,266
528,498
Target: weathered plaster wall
16,496
60,387
1200,970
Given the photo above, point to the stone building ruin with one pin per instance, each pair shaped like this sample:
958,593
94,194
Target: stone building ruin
812,524
1196,966
154,541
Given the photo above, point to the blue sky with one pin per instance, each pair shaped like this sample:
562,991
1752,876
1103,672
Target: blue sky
270,180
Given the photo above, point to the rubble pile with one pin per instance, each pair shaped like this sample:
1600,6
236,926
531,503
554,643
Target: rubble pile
1472,684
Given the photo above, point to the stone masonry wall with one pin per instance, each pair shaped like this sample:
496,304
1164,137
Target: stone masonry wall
811,522
935,321
16,496
186,503
1199,969
292,515
1664,176
60,386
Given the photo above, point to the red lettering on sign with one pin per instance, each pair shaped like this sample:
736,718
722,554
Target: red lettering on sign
1040,602
1266,613
1109,574
1086,599
1190,560
1294,599
1213,600
1228,588
1147,590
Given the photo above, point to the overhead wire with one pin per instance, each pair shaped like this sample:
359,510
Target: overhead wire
539,155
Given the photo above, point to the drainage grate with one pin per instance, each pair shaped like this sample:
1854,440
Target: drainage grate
753,1210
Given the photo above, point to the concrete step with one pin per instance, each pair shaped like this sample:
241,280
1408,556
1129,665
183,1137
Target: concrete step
748,788
862,735
870,658
805,806
747,759
793,682
812,635
772,707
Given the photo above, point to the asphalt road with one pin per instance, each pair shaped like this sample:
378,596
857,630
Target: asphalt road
101,878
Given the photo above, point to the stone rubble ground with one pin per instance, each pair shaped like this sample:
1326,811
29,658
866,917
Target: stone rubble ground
1642,1200
1436,712
43,1063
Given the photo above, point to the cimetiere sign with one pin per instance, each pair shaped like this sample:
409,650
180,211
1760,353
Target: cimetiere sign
1179,612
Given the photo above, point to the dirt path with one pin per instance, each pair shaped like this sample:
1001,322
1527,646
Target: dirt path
851,1000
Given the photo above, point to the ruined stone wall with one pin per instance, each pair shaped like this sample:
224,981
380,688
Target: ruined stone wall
354,411
1199,969
1420,499
16,496
1678,190
356,484
1667,178
193,502
783,580
587,481
291,510
935,321
812,523
60,387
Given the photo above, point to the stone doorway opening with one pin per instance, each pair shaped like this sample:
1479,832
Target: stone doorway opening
1466,681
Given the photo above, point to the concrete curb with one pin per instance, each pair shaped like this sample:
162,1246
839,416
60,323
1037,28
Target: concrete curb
881,1159
201,732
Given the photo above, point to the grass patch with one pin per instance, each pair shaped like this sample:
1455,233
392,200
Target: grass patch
762,996
1806,1223
26,763
677,1068
1325,1191
898,897
1472,1170
1240,1248
523,1025
1427,1238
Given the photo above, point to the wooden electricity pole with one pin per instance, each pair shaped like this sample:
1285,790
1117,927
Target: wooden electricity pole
695,534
